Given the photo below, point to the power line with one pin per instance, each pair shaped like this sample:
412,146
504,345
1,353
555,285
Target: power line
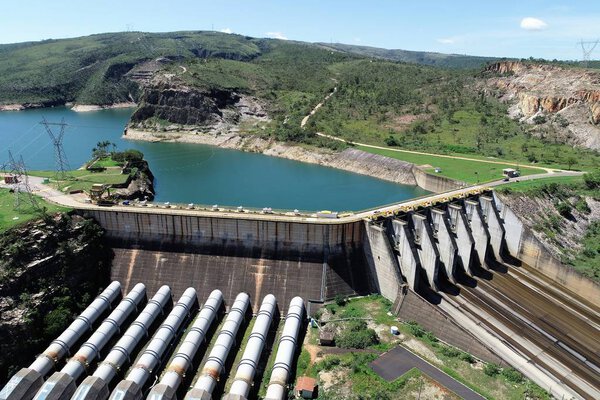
62,164
587,48
20,182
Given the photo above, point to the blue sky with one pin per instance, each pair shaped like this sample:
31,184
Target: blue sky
549,29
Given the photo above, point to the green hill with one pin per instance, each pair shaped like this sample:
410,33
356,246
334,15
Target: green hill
90,69
455,61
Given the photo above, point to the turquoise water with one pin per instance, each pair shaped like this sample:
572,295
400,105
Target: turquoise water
197,173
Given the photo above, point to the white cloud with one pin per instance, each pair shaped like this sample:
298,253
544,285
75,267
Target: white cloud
533,24
226,30
276,35
446,41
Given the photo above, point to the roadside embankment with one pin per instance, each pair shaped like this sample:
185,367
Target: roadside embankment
352,160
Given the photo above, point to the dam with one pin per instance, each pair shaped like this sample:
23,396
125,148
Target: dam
459,263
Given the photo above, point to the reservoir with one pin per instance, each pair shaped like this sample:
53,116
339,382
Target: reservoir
194,173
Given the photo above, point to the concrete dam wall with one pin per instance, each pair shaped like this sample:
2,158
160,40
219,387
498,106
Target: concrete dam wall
314,260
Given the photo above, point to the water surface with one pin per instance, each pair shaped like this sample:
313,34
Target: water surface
199,173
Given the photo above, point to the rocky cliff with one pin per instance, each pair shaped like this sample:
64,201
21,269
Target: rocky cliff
168,106
49,271
559,218
547,96
140,185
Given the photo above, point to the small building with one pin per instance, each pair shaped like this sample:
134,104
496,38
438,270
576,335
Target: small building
326,337
510,172
306,387
438,170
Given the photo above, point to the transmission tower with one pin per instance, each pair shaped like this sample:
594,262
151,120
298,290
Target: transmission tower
62,164
587,48
20,183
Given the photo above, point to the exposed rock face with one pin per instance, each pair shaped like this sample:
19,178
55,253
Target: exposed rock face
570,98
536,212
49,270
169,107
141,184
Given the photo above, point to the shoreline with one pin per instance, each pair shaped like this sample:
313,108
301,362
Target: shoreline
97,107
350,159
71,106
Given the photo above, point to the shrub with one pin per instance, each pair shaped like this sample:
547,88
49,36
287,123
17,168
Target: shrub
563,208
357,336
391,141
467,357
491,369
450,351
328,363
539,119
592,179
582,206
512,375
127,155
340,300
415,329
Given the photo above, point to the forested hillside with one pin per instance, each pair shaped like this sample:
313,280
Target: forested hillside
378,101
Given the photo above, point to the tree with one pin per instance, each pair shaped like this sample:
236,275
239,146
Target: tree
571,161
101,149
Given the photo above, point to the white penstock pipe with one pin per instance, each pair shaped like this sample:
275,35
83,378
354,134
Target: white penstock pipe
121,352
287,349
216,360
157,347
83,323
191,343
111,325
246,370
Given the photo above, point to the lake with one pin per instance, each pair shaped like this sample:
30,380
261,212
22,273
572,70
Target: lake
194,173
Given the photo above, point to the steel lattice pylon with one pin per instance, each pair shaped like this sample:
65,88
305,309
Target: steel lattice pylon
587,48
20,183
62,164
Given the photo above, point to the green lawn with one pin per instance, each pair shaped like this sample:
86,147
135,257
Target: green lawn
462,170
82,179
107,162
10,217
527,186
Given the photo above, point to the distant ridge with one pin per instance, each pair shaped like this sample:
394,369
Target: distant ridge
456,61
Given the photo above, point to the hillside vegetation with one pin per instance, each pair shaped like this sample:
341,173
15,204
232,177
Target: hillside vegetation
90,69
379,100
455,61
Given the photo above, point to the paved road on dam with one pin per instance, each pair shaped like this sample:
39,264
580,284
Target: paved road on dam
78,201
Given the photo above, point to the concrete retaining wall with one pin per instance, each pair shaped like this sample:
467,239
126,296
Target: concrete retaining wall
414,308
382,262
435,183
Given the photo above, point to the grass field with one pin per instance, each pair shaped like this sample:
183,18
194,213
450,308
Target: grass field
462,170
82,179
527,186
10,217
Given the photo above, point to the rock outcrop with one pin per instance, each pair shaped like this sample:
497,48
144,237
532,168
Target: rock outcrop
140,185
566,98
49,271
167,106
561,235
